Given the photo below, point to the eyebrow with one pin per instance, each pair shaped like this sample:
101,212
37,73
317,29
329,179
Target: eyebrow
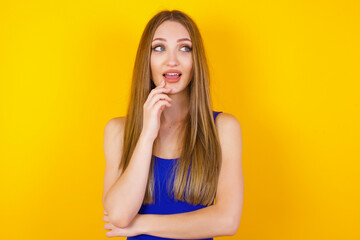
179,40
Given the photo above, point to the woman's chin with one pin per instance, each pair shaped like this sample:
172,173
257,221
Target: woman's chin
172,92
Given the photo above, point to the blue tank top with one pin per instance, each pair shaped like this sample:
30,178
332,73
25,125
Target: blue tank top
165,204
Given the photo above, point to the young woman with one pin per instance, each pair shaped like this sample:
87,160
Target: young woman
168,160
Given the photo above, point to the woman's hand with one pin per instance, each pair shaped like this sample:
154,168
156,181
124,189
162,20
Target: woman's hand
130,231
152,109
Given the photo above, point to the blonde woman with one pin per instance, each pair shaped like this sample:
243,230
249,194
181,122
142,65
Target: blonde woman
173,165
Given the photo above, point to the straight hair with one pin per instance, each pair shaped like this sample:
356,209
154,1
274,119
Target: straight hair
197,170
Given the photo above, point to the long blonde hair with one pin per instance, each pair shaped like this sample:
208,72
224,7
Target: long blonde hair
202,152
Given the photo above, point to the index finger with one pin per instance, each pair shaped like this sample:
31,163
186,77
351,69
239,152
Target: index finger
158,89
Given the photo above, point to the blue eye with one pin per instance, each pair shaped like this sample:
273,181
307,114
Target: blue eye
158,48
187,48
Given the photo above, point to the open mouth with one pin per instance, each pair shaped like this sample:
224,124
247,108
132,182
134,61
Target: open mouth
172,75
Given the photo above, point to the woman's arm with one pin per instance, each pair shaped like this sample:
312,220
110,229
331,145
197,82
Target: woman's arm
124,192
123,199
203,223
220,219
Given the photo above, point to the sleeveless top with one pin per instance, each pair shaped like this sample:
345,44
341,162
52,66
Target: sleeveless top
165,204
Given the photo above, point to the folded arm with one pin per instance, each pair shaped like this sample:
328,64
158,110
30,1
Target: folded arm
203,223
220,219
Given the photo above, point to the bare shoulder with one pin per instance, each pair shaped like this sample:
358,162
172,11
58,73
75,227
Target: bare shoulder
226,122
113,139
229,132
115,125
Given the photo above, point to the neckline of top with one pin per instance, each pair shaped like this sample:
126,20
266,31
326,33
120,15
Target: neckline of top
166,158
214,112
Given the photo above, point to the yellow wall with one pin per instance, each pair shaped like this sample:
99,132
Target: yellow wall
288,70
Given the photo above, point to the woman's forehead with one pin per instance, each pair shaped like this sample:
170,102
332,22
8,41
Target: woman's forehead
171,29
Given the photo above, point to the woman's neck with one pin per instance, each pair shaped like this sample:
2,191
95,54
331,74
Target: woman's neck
169,140
176,114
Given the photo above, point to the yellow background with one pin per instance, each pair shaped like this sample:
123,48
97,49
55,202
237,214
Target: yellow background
288,70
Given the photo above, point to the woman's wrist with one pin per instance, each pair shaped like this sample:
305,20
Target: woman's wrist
141,224
146,137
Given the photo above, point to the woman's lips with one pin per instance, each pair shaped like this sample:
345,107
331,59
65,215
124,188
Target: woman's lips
172,78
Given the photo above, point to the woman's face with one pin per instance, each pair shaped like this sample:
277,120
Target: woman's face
171,56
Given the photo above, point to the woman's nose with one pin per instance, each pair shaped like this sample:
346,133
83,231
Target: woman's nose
172,59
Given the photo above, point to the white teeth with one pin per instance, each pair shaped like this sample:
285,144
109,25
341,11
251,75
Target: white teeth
172,74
